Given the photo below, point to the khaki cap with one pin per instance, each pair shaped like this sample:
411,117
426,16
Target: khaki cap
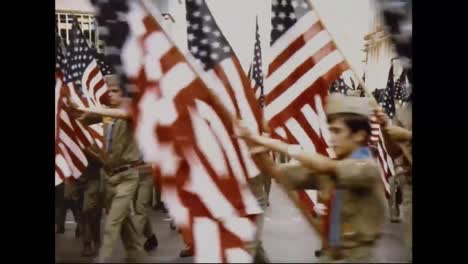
338,103
112,79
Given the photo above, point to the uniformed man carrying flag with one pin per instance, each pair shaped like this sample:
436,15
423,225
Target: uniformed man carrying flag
358,213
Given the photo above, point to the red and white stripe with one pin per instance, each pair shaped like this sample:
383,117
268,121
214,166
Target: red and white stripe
94,90
93,85
70,160
384,160
256,89
232,87
305,63
237,93
187,137
71,137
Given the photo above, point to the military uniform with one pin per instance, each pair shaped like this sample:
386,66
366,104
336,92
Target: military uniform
122,159
362,203
358,209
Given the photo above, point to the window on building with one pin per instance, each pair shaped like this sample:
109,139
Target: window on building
88,25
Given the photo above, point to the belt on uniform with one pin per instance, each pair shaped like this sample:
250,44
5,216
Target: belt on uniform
113,171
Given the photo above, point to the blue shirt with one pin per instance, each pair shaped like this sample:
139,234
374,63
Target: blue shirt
334,235
109,135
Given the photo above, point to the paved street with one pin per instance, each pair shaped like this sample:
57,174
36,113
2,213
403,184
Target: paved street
286,238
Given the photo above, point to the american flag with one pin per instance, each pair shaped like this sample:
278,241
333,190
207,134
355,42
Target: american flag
209,46
256,70
69,139
335,87
387,101
305,63
203,169
378,95
106,68
401,88
222,68
380,153
339,86
84,70
85,79
377,142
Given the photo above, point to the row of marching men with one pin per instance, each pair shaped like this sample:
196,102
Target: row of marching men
356,213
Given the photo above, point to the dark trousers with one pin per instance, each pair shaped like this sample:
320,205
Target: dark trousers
91,213
62,205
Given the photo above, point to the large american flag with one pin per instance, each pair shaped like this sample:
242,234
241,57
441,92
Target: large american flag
203,168
256,70
84,70
209,46
305,63
70,136
79,78
84,78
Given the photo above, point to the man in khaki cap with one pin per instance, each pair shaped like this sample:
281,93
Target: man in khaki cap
121,161
357,215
